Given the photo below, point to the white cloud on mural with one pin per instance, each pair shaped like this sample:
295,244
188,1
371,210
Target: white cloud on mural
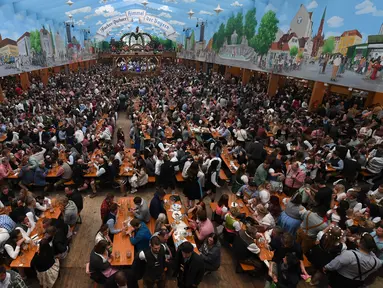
367,7
164,15
312,5
175,22
335,21
86,9
107,11
270,7
79,23
170,1
189,1
99,23
236,4
204,12
165,8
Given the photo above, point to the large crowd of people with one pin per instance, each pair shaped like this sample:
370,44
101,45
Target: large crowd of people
311,180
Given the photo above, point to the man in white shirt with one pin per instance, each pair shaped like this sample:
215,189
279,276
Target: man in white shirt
240,134
335,68
79,135
173,158
377,194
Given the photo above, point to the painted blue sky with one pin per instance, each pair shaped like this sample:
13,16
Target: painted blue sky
19,16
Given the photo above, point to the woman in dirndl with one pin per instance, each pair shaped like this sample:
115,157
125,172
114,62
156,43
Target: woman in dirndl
46,265
290,219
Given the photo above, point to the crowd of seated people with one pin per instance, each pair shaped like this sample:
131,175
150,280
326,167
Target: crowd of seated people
311,179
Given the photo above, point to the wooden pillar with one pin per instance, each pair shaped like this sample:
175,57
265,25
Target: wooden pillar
317,95
273,85
281,81
215,67
378,98
246,74
44,76
227,73
197,66
369,99
1,95
57,69
66,67
204,67
24,80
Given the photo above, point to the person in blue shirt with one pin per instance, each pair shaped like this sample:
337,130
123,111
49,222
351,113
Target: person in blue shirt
249,191
378,238
140,239
157,204
112,220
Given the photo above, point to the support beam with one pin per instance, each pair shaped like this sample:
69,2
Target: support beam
273,85
246,74
57,69
282,81
1,95
317,95
44,76
204,67
197,66
24,80
378,98
215,68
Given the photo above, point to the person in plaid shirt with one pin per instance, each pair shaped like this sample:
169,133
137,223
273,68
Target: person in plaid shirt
10,279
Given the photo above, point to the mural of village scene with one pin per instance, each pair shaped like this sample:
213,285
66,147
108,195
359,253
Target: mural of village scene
305,49
42,48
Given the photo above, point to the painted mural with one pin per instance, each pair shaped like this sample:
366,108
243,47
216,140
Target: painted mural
332,41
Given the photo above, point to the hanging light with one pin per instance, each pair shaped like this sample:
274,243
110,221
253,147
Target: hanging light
218,9
190,13
144,3
69,2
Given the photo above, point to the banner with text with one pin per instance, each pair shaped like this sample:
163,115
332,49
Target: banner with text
140,16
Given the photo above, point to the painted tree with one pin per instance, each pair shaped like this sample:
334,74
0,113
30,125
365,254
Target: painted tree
268,28
192,40
329,45
238,27
219,38
250,24
293,51
300,55
35,41
229,29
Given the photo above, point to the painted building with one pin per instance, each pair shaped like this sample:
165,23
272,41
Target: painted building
302,23
24,44
46,42
337,41
318,39
59,45
8,47
278,49
347,39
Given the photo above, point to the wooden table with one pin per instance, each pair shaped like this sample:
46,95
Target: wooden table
52,173
329,168
127,163
233,198
214,133
121,241
3,137
168,133
24,260
228,158
169,215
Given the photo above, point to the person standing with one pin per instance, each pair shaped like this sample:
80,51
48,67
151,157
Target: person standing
189,267
154,260
335,68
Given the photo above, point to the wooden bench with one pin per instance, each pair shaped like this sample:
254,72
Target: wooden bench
306,262
69,183
179,177
365,173
247,267
151,225
152,179
222,175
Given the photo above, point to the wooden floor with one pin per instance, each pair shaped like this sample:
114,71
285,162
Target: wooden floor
72,272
